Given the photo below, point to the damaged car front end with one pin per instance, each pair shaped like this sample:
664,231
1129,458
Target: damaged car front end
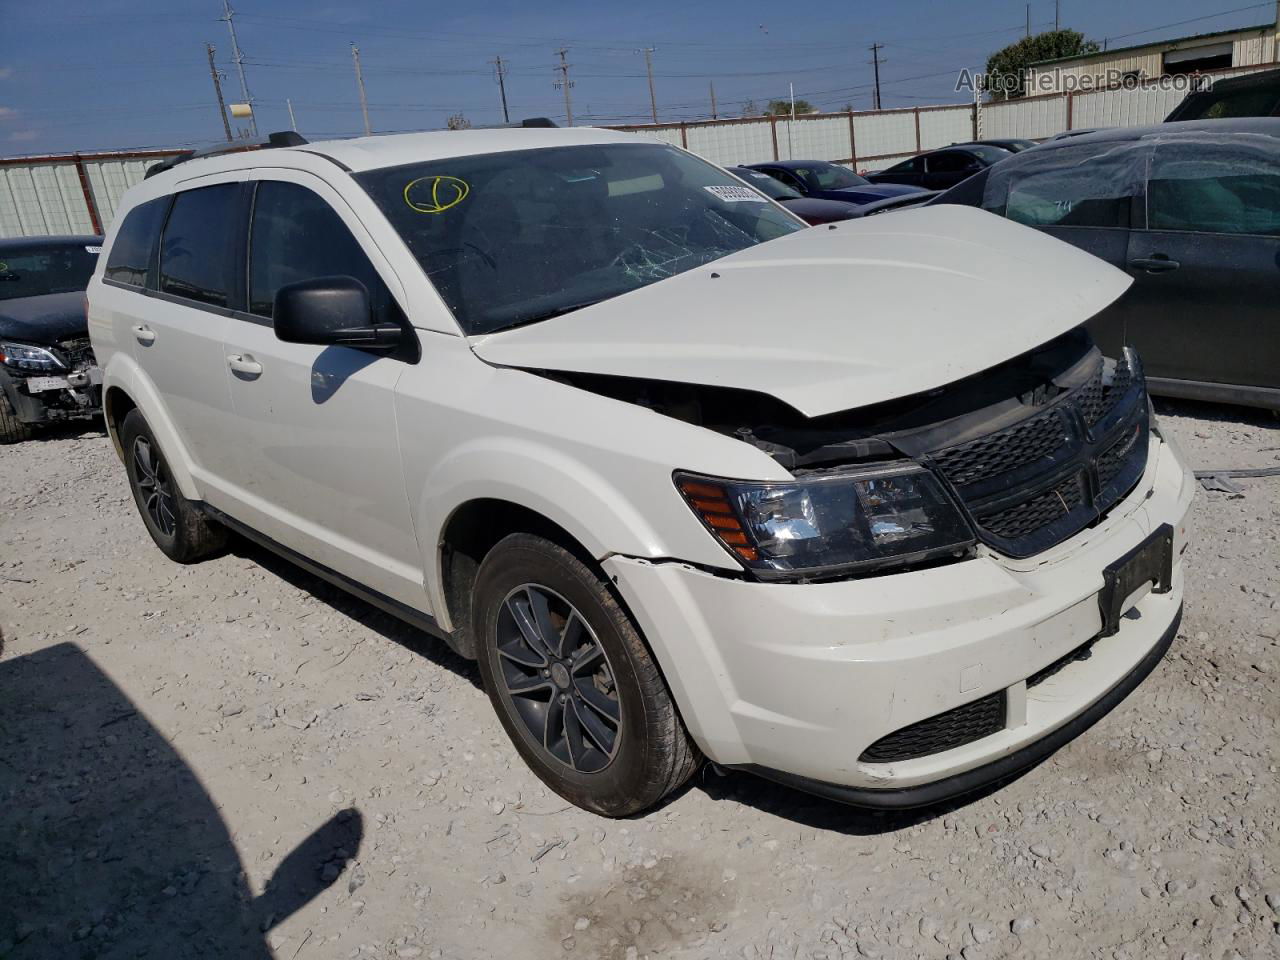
47,368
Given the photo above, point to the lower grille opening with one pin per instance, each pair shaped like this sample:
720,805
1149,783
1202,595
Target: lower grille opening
946,731
1082,652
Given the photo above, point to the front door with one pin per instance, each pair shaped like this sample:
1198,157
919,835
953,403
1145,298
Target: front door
1207,270
319,463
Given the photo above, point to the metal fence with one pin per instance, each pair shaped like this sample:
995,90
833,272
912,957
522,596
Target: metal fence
78,193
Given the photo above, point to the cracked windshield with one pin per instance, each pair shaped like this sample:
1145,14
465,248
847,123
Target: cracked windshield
517,237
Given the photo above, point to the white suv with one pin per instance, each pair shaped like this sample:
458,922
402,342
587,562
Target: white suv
859,508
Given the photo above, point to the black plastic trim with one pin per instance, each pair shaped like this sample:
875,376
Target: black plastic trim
411,616
1250,396
925,794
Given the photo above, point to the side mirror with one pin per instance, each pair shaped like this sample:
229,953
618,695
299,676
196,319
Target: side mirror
330,311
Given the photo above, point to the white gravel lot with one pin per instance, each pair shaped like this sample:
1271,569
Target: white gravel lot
172,737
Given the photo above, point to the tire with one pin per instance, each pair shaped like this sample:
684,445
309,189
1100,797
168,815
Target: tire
12,430
604,669
179,527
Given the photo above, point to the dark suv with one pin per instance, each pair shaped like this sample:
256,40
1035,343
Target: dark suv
1253,95
47,370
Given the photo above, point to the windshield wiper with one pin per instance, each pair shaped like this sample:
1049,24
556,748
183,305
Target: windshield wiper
549,315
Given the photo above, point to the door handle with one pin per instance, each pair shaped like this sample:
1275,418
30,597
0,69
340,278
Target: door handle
144,333
245,365
1154,264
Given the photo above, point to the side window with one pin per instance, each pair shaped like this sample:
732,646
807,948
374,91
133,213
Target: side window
1074,188
952,163
130,254
297,236
1215,188
195,250
914,165
787,178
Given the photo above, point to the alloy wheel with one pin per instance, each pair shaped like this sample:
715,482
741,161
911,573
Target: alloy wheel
558,678
155,486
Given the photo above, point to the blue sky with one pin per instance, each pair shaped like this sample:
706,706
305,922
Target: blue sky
109,74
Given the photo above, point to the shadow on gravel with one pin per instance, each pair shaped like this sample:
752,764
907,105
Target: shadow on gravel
366,614
1221,412
68,430
820,814
110,846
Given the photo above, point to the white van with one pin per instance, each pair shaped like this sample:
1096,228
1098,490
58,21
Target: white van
859,507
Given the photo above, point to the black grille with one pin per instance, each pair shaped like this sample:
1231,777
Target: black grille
77,351
1035,484
1031,515
1004,450
946,731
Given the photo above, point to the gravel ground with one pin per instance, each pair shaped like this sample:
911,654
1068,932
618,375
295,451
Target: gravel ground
236,760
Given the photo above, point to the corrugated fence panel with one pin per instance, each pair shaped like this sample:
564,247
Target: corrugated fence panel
731,143
109,179
1123,108
941,128
1034,118
666,134
42,198
879,134
815,138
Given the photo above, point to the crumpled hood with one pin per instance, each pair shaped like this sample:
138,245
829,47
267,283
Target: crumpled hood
831,319
43,320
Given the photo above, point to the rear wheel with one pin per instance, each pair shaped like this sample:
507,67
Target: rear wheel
12,430
573,682
179,528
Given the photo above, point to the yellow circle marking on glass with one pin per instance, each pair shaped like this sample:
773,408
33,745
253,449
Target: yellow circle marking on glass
446,193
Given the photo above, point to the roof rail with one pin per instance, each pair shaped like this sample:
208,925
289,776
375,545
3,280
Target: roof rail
282,138
526,122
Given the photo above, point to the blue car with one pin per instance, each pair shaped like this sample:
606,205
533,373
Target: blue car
820,180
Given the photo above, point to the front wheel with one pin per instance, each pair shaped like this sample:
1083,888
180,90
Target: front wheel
179,528
572,681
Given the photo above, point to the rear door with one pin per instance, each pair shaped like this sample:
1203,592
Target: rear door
177,327
1207,268
319,465
1087,195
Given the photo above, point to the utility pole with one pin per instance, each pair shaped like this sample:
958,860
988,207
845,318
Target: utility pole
1056,23
229,15
1028,20
648,66
364,104
875,55
217,90
292,122
713,98
791,154
564,81
502,85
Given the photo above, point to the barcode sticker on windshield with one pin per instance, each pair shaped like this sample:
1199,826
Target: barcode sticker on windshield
736,194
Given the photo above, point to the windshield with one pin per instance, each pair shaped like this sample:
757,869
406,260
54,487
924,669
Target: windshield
828,176
766,184
40,270
512,238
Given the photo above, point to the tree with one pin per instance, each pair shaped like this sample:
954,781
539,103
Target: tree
749,109
1007,69
458,122
782,108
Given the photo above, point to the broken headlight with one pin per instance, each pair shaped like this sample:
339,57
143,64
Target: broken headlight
840,521
21,356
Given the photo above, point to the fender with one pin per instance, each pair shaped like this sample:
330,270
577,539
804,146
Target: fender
124,372
537,478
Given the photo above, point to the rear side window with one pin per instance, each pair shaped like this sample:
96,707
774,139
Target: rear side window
297,236
1215,188
952,163
131,252
914,165
195,251
1088,185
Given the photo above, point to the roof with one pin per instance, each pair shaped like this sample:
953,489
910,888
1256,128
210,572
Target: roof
369,153
59,240
1257,126
1154,43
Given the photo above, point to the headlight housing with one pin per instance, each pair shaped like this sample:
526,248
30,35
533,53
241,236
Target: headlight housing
830,523
22,356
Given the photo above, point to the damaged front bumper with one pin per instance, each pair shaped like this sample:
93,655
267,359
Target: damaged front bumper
74,394
902,689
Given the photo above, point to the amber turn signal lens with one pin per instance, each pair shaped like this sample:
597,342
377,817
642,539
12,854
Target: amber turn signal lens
711,504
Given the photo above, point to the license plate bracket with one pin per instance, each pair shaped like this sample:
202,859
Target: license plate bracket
42,384
1150,561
